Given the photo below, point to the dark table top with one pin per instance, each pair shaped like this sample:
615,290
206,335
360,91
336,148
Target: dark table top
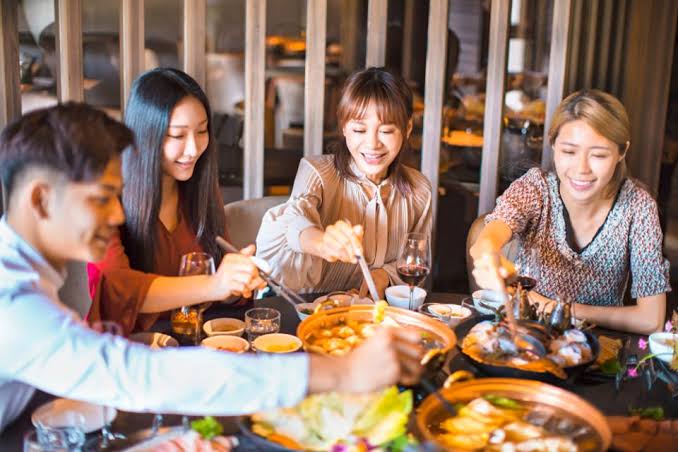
599,392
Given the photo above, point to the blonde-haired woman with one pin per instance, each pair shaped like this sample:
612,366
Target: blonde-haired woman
592,227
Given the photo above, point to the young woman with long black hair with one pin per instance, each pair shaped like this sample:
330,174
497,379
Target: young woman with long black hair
172,207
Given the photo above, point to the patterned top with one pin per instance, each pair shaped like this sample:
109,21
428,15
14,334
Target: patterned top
321,197
629,243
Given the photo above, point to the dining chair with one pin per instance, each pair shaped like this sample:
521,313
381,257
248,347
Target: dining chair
243,218
509,251
75,291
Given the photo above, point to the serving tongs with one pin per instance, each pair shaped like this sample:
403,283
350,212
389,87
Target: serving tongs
279,288
371,286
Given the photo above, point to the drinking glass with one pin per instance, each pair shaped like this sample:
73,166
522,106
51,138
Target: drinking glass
54,439
260,321
107,435
414,263
530,270
64,430
187,320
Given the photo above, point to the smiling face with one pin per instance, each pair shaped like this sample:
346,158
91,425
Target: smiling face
186,140
373,144
585,162
80,218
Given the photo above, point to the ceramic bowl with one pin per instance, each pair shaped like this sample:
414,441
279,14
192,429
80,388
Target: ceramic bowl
277,343
224,326
399,297
227,343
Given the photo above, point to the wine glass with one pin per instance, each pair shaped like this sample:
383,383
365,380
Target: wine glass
187,320
530,268
107,435
414,263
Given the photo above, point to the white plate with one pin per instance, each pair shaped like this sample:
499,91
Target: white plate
93,414
154,340
346,299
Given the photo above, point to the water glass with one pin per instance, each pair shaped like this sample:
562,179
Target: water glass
54,439
260,321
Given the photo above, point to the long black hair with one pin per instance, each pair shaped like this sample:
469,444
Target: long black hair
153,98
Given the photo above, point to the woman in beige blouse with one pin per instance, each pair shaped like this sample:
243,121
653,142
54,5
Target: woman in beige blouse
359,200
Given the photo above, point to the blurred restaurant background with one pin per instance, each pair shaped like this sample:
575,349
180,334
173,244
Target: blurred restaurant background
486,76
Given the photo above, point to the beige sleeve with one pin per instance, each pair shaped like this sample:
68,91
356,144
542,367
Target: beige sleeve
278,238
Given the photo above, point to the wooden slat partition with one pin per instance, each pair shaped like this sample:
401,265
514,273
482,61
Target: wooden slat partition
377,15
436,59
255,67
591,36
314,88
131,45
602,64
195,12
10,88
494,103
69,50
619,35
575,41
408,38
562,10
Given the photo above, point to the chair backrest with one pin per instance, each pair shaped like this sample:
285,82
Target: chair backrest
509,251
243,218
75,291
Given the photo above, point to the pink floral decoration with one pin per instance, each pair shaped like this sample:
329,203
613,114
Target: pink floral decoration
633,372
642,344
668,326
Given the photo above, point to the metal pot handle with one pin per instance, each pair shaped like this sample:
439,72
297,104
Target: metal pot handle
460,375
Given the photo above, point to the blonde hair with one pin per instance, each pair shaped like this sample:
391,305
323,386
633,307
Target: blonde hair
605,114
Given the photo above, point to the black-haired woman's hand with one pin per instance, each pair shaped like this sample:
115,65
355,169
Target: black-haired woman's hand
237,275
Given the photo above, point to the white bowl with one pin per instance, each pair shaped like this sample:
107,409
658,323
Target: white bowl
344,299
399,296
662,344
227,343
225,326
487,298
451,314
277,343
304,307
154,340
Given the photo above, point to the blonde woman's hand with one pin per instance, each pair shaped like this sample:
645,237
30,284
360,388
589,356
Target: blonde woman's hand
237,275
490,268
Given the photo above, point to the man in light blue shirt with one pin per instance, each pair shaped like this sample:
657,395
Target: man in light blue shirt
61,171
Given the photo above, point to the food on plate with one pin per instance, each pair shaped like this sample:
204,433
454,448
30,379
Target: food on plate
338,422
229,348
490,342
204,436
279,348
498,423
609,349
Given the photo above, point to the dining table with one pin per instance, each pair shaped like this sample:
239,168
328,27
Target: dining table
599,391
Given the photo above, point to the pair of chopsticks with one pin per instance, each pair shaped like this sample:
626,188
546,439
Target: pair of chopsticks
279,288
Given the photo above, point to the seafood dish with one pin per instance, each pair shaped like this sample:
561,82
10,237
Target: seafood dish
490,342
497,423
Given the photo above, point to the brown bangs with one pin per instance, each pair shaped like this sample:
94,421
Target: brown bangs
392,99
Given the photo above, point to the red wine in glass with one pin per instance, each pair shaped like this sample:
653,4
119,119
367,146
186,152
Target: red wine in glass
413,274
